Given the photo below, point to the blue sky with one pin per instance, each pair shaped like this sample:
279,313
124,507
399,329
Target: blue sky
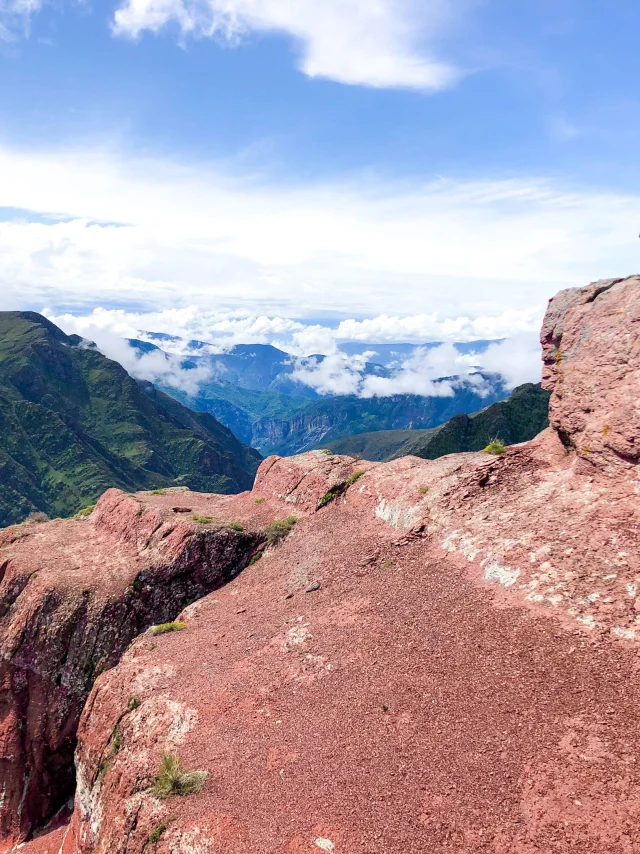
437,168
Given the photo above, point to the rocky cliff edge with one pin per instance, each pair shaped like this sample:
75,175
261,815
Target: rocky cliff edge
433,656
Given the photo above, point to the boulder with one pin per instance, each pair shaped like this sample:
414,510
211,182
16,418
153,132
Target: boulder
591,353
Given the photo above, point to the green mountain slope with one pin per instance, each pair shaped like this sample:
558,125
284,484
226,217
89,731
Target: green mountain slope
74,423
517,419
240,408
328,419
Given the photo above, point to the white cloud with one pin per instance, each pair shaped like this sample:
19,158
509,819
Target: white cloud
15,16
340,374
481,258
430,327
334,375
517,359
222,330
155,366
378,43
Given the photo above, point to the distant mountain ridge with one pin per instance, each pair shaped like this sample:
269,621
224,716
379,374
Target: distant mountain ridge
74,423
252,391
255,367
518,419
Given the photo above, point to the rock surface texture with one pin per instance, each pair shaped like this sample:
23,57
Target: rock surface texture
441,656
73,595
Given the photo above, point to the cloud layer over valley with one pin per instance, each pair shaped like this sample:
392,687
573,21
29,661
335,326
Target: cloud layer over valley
316,357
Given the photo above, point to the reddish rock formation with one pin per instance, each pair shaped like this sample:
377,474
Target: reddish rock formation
591,353
73,594
462,676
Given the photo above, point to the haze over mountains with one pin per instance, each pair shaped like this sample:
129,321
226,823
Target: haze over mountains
283,404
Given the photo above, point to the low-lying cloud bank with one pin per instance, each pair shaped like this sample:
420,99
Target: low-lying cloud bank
420,371
223,330
426,370
166,369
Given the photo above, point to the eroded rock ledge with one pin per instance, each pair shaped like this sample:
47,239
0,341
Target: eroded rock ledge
442,657
73,595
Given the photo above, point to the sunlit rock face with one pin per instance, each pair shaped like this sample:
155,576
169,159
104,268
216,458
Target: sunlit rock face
431,656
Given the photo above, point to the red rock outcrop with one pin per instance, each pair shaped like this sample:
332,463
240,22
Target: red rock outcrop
73,594
591,353
442,658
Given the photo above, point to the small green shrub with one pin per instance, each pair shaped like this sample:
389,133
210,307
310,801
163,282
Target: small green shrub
202,520
86,511
116,744
495,447
259,501
279,529
156,833
171,780
424,490
327,451
159,492
37,516
338,489
132,704
163,628
256,557
328,497
235,526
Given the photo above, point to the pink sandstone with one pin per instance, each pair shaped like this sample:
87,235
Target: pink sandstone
463,678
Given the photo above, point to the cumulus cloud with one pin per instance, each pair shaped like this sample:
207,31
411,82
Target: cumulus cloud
220,330
224,330
377,43
428,372
515,361
430,327
157,367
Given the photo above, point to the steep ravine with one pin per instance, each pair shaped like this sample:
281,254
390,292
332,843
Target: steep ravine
60,628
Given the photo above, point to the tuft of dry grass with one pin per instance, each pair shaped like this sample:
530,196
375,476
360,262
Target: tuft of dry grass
279,529
163,628
37,516
171,780
201,520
